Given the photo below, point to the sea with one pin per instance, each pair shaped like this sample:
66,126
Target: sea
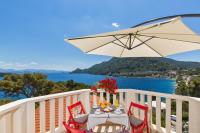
150,84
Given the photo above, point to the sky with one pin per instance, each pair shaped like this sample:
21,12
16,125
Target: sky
32,32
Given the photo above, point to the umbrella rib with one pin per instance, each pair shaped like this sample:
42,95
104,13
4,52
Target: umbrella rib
127,40
151,48
134,39
120,41
119,45
103,45
173,34
122,52
122,34
168,38
88,37
142,42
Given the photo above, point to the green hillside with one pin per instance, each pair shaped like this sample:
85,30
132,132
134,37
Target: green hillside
139,66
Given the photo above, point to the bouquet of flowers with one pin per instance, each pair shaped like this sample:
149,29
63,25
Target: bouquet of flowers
108,84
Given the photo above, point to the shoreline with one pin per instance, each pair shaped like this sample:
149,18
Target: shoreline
140,83
122,76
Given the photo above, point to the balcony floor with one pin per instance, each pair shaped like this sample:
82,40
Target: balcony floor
111,128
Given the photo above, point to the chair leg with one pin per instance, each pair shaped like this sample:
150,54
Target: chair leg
147,128
68,131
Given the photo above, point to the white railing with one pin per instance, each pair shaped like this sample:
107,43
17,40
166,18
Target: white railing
125,96
46,113
20,116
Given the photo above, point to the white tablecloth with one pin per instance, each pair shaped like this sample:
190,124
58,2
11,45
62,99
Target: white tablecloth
96,119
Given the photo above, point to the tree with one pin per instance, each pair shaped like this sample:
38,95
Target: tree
71,85
29,85
182,88
194,87
36,84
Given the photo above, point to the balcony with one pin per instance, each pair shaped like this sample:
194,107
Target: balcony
46,113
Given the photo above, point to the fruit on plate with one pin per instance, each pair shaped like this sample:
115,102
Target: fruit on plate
104,104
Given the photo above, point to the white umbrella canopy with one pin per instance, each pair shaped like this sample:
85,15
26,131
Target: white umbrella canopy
154,40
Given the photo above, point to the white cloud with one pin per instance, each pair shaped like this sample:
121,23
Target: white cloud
18,65
33,63
6,65
114,24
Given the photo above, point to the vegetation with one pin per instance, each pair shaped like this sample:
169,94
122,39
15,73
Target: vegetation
31,85
189,88
2,74
139,67
5,101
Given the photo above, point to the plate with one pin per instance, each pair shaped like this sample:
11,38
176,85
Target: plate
97,112
118,112
107,110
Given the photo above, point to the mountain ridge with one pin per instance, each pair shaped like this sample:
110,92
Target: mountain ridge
30,71
138,66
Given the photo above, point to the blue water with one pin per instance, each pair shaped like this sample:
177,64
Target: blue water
150,84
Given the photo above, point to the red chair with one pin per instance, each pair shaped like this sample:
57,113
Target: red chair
69,129
80,121
137,124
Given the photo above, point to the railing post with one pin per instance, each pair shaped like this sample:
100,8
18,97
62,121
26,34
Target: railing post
194,119
94,99
18,121
121,100
136,110
128,96
68,102
60,114
9,123
114,98
52,116
142,99
3,124
107,97
168,115
149,110
30,117
42,116
101,96
158,113
87,101
179,116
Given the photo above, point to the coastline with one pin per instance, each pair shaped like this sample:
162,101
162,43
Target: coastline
162,85
113,75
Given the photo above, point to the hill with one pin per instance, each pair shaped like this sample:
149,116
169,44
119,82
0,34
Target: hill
139,67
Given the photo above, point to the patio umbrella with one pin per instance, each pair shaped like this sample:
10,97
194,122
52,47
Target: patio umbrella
154,40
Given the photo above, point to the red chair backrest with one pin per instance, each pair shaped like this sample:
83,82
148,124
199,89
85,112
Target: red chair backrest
76,105
72,130
139,106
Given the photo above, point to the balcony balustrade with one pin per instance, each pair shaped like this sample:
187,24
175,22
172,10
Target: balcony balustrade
46,113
